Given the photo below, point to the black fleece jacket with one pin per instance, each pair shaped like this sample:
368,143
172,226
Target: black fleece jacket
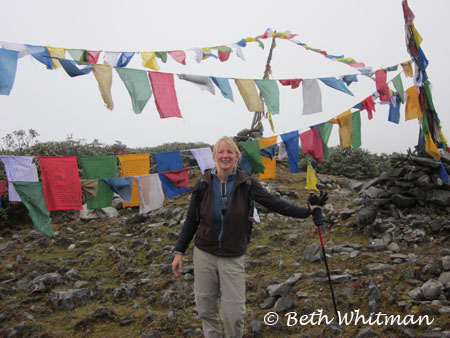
234,242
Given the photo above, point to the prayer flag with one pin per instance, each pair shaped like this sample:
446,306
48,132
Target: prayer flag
311,179
269,164
335,83
251,149
249,93
137,83
89,187
162,55
344,121
151,195
103,75
8,68
178,55
72,69
18,47
134,165
18,168
381,85
356,127
324,130
312,144
32,196
110,58
165,96
124,59
204,158
61,182
93,56
271,94
291,142
179,178
78,55
407,68
3,187
294,83
312,97
97,167
398,85
443,173
41,54
168,161
149,60
394,109
430,147
412,109
203,82
349,79
56,53
369,105
224,86
121,186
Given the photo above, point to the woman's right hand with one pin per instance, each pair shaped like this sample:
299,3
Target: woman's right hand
177,265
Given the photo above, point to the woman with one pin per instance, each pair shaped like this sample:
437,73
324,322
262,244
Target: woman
221,240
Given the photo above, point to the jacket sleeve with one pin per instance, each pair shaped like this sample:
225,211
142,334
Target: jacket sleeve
190,224
274,203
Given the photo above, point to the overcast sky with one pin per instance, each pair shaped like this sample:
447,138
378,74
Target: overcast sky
372,32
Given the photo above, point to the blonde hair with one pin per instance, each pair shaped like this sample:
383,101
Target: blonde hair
230,142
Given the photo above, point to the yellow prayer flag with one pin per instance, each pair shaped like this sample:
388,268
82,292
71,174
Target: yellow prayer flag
412,108
149,60
249,39
249,93
442,137
417,36
206,50
134,165
407,68
103,74
58,53
345,129
431,148
269,164
311,179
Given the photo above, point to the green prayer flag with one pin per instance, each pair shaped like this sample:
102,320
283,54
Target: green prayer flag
162,56
96,167
253,152
324,130
138,86
398,84
79,55
428,96
392,68
356,126
32,195
271,93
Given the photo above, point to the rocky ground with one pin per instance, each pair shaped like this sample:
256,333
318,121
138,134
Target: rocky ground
111,277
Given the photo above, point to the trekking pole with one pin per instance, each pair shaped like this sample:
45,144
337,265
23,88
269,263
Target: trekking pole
318,221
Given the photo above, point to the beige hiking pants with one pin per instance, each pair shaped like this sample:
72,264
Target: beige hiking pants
220,283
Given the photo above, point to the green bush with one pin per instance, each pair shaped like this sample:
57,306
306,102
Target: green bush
351,163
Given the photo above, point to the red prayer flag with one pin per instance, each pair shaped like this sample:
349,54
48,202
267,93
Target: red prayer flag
223,56
312,144
382,87
3,187
357,64
165,96
294,83
178,56
93,56
61,182
369,106
179,178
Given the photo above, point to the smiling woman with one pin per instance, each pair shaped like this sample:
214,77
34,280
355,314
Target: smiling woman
226,155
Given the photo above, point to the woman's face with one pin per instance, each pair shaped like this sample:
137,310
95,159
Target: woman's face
226,159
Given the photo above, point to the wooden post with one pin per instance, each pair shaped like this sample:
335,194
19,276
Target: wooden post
256,123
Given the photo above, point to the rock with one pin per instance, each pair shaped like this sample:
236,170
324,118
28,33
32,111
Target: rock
438,197
108,212
313,253
279,290
444,278
268,303
403,201
445,261
371,267
364,217
283,304
376,244
69,299
367,333
431,289
256,326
